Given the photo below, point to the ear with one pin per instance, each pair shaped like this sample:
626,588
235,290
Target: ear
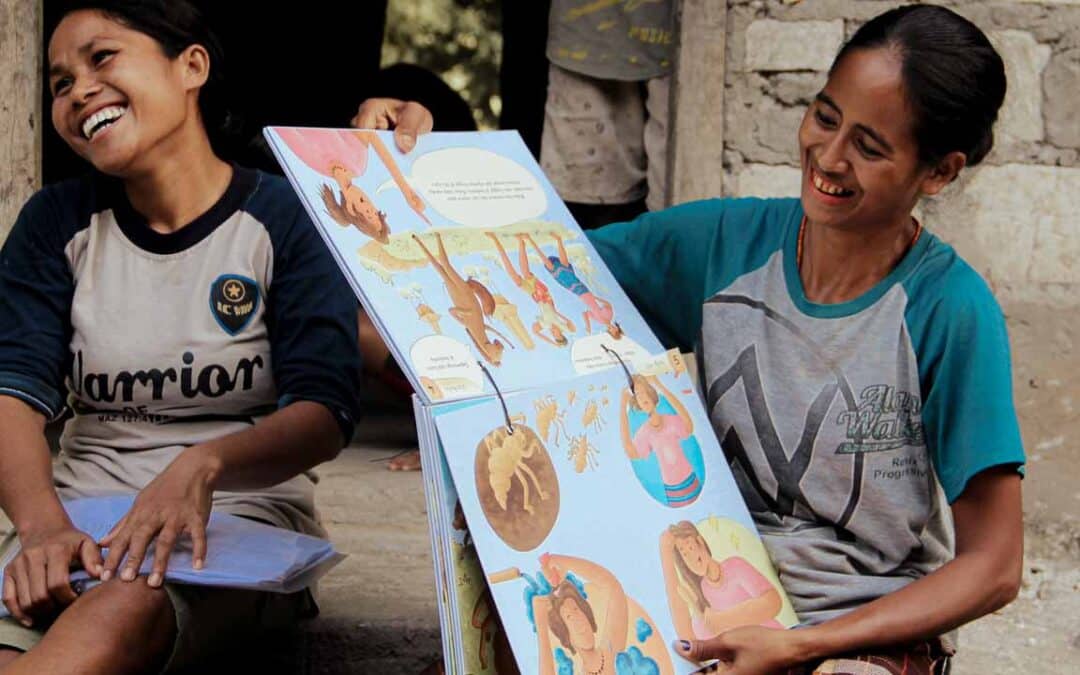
943,173
195,66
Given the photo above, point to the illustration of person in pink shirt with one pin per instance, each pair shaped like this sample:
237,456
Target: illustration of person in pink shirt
342,156
663,435
709,596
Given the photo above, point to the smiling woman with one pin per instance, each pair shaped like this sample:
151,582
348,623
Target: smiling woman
168,298
804,311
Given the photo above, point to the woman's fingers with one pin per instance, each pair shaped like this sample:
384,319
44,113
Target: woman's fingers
197,530
11,597
163,548
137,547
90,555
704,650
36,568
58,577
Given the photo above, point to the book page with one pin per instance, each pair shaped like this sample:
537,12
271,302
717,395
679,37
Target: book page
608,523
464,257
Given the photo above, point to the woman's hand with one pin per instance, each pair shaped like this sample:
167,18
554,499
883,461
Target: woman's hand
750,650
37,583
178,501
408,119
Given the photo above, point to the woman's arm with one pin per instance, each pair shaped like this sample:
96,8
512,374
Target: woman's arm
982,578
284,444
36,583
624,425
752,612
680,611
680,409
541,604
413,199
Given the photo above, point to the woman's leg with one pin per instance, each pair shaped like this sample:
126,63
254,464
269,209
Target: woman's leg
8,655
119,627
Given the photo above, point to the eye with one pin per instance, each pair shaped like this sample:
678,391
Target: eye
867,150
825,120
101,56
61,85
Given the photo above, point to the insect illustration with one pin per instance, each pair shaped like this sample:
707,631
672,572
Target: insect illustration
583,453
592,419
548,415
506,462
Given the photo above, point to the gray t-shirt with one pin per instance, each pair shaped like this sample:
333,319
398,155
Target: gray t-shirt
850,428
160,342
628,40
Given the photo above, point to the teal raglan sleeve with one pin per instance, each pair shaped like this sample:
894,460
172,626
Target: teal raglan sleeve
962,350
662,260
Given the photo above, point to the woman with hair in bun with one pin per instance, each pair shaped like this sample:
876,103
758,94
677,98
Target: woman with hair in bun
855,367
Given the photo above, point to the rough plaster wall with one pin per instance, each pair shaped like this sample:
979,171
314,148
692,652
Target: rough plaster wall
20,110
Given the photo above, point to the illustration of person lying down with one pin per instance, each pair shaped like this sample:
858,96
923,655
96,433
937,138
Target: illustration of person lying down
597,308
549,319
343,156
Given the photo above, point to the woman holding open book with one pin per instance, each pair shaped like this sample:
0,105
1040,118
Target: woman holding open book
855,368
200,332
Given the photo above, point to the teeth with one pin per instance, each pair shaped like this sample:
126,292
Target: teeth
826,187
110,114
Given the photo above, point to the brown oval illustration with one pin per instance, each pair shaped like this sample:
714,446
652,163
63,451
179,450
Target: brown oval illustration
517,486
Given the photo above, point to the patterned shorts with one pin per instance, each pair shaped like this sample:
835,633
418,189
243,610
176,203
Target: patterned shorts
924,658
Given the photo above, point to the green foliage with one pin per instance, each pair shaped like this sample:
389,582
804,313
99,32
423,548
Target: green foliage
460,40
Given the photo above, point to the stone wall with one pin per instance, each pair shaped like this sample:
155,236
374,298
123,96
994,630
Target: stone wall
1014,217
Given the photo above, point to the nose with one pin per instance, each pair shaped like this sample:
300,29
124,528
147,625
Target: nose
832,159
84,88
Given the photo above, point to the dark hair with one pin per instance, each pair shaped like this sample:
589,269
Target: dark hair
565,592
175,25
955,79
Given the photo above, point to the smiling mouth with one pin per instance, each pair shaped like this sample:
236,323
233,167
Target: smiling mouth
827,187
101,120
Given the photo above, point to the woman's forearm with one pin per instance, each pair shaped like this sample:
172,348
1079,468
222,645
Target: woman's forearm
27,495
983,577
284,444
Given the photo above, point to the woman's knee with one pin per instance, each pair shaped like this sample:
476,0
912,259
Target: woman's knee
131,618
8,655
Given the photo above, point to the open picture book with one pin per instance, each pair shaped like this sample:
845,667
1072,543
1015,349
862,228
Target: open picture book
575,488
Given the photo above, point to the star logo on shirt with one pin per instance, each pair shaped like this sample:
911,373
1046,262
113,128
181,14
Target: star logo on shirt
234,299
234,290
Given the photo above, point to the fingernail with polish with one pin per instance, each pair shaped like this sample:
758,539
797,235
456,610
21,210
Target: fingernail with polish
682,645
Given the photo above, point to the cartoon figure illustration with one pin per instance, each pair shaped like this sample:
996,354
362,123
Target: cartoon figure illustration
550,319
548,415
667,436
571,396
506,462
585,622
583,453
517,486
342,156
471,303
414,293
597,309
709,596
505,311
591,419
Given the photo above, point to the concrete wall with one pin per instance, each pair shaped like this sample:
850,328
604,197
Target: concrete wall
1014,217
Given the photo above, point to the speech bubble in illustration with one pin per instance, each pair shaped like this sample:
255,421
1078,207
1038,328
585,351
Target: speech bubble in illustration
589,356
445,367
476,187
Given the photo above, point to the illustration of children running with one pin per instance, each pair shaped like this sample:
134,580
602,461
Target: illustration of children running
597,309
549,319
471,303
342,156
662,435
